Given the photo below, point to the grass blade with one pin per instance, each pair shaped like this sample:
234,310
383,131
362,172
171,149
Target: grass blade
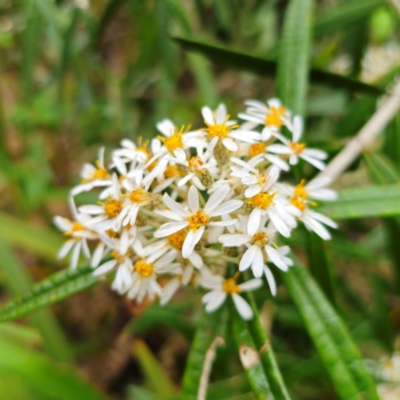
370,201
51,290
19,281
294,54
330,336
260,66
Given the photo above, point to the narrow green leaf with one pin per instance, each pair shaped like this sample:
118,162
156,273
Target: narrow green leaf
21,233
51,290
260,66
267,355
19,281
370,201
153,371
294,54
210,326
330,336
320,266
250,359
347,13
49,378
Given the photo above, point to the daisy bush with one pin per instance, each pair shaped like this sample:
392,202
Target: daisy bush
189,199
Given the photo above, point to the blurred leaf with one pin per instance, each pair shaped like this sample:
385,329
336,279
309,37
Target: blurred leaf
38,240
371,201
347,13
320,266
139,393
334,344
51,290
153,371
20,334
19,281
244,62
294,54
267,356
221,390
250,359
383,24
53,380
209,327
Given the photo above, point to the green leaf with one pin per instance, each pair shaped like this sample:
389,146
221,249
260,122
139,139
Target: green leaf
40,241
51,290
370,201
330,336
294,54
381,169
267,355
250,359
210,327
335,19
260,66
153,371
320,266
52,380
19,281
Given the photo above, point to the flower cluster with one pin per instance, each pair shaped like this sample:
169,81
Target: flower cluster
198,206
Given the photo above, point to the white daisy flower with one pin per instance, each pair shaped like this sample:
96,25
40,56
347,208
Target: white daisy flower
132,153
196,219
297,150
260,249
169,290
78,235
219,125
221,288
272,115
93,175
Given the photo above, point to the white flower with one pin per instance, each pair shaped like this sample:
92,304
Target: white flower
196,220
314,221
260,248
93,175
219,125
297,150
272,115
174,284
221,288
78,235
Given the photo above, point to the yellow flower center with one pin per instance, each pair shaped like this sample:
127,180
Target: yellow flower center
261,200
300,191
256,149
139,196
297,147
176,239
143,268
274,118
112,234
118,256
112,207
171,171
230,286
195,162
260,239
220,130
76,226
197,220
173,142
262,179
299,203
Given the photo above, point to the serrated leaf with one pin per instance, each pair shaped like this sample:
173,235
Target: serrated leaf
245,62
294,54
51,290
210,326
371,201
330,336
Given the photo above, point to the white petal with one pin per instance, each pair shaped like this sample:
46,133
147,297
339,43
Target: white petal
97,255
252,284
230,144
217,300
297,128
208,115
91,209
254,221
169,290
196,260
258,263
221,114
322,218
106,267
75,255
275,258
234,240
226,208
228,222
169,228
193,199
270,280
248,257
174,206
216,199
251,191
65,249
242,307
191,240
313,161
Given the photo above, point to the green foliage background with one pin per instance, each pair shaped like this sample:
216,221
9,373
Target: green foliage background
80,74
